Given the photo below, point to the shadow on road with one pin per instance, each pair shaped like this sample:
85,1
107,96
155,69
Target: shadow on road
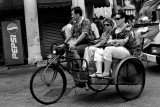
109,96
13,72
152,69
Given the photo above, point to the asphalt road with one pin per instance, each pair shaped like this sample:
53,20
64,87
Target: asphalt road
14,91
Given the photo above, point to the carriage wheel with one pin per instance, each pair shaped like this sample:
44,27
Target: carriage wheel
47,85
130,79
97,88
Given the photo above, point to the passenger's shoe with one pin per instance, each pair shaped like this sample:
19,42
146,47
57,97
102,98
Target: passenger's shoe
93,75
103,76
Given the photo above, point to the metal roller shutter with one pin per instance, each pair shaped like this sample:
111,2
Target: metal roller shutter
51,23
1,49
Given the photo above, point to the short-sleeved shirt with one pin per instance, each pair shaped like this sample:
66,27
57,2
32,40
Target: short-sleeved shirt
84,26
125,33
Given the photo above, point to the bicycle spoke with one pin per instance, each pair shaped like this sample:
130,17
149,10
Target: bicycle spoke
47,87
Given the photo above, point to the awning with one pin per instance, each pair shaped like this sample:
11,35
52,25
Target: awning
18,4
53,3
98,3
148,7
11,4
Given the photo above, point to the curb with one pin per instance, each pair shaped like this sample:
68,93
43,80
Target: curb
3,68
11,68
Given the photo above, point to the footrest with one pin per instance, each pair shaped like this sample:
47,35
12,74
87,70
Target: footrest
80,75
99,81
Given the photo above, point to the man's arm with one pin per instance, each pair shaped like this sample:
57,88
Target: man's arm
80,38
68,38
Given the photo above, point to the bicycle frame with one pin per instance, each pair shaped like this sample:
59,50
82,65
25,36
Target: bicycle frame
59,59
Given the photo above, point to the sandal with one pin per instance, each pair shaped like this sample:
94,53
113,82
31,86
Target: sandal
99,74
94,75
103,76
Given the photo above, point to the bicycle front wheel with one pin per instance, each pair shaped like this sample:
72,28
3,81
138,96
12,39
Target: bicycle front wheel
47,85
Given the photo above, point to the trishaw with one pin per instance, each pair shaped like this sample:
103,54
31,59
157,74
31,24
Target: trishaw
48,83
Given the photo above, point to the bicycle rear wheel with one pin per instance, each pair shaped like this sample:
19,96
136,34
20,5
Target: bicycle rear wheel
130,79
47,85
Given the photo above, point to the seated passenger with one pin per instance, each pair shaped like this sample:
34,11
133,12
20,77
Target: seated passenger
99,43
121,41
66,30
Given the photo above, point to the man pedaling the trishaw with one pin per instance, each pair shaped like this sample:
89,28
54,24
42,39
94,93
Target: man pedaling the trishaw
81,34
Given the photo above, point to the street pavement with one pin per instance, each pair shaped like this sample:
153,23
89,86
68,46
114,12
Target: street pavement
14,85
14,91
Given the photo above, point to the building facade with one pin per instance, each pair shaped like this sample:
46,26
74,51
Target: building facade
41,22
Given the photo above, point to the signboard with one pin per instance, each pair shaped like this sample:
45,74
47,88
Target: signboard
12,42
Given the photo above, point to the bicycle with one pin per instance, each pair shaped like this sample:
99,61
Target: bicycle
128,76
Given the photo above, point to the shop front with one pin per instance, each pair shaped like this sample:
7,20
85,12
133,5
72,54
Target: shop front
12,42
13,47
51,22
52,16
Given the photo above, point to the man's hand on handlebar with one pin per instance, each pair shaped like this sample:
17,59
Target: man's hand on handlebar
62,45
72,46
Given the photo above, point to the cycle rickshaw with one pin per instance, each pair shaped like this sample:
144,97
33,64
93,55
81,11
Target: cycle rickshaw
48,83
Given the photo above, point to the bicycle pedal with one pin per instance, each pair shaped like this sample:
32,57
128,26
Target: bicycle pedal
87,88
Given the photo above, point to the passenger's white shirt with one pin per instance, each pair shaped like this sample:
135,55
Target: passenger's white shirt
67,29
95,30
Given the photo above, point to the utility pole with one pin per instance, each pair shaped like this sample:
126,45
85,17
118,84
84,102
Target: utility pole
114,10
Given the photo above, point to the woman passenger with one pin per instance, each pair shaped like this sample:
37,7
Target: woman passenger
120,49
99,43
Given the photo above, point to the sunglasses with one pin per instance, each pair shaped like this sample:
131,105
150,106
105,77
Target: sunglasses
106,24
117,18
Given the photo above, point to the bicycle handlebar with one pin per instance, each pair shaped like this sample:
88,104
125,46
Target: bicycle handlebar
60,49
